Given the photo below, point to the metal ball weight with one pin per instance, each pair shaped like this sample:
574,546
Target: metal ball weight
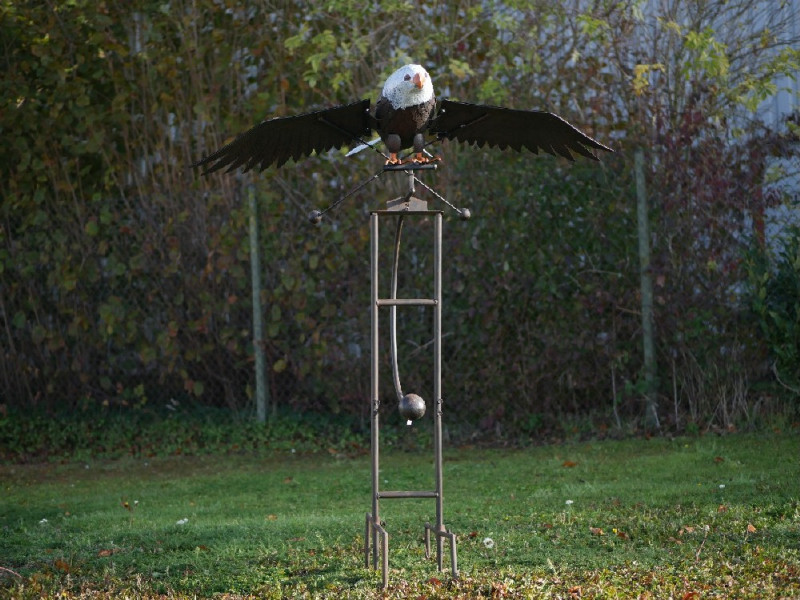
411,407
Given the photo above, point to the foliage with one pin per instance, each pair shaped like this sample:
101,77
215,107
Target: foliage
177,429
680,518
125,276
775,293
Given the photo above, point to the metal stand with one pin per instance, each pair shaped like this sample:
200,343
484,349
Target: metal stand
376,538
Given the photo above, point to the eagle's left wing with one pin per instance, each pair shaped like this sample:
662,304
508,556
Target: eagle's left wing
508,128
277,140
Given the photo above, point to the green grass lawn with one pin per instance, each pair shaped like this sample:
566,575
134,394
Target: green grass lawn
700,517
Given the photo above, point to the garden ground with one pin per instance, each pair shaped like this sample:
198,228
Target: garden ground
693,517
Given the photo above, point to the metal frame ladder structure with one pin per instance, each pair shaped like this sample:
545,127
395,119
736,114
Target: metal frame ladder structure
376,537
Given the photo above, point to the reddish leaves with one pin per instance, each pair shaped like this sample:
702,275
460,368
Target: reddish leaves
61,565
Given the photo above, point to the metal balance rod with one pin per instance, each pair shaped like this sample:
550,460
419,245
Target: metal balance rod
376,538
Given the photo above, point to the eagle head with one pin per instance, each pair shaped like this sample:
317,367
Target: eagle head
408,86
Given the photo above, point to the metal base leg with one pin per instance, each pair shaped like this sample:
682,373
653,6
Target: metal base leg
440,535
379,538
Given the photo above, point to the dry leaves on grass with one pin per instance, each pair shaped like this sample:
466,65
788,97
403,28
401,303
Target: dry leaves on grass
61,565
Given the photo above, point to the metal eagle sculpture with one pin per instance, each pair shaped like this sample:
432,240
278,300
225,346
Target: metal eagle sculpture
404,114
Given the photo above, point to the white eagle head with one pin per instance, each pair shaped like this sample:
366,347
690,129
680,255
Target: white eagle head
408,86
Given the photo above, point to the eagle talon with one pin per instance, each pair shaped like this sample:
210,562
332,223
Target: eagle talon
421,159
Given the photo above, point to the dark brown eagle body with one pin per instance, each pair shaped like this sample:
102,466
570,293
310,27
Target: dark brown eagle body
402,122
405,112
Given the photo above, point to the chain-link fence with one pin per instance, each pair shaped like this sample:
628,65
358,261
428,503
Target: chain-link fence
126,278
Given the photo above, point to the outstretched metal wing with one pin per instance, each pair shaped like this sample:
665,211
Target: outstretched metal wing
508,128
277,140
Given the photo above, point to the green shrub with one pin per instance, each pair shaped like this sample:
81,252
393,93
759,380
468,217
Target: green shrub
774,289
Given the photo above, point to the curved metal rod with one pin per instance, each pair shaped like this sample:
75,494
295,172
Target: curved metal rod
393,310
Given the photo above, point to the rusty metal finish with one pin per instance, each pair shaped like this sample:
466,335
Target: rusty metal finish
376,537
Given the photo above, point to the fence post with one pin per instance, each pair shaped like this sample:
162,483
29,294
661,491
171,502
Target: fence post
262,389
646,284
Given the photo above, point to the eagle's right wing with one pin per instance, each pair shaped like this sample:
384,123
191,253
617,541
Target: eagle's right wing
277,140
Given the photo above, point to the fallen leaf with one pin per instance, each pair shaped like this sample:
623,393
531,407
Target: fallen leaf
288,480
750,528
105,552
596,531
722,508
547,525
61,565
690,596
499,590
575,591
435,582
473,534
569,464
272,517
718,459
621,534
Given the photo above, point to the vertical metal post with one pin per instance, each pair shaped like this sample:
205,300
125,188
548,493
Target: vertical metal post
646,285
262,391
374,391
437,381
